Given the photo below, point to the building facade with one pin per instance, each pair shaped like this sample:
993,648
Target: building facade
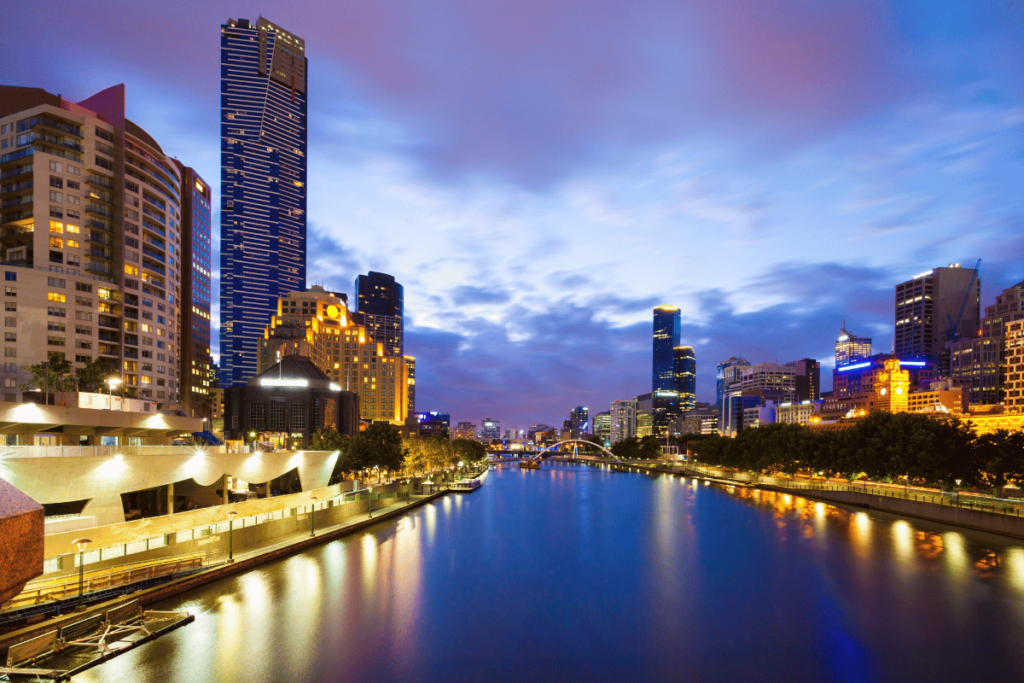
196,271
979,363
603,426
928,311
315,324
850,348
579,422
1014,386
490,430
685,370
263,185
656,413
807,378
380,307
623,420
465,430
667,330
90,242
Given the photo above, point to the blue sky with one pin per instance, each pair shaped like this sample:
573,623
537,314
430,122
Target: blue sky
539,174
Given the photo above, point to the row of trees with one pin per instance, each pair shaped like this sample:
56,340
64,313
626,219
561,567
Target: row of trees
381,446
882,447
57,374
647,448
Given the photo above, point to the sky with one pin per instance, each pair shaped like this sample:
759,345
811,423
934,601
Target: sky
539,174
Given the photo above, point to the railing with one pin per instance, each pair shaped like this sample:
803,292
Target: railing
24,185
20,170
102,451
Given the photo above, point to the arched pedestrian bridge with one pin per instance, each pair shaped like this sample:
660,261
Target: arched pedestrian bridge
583,442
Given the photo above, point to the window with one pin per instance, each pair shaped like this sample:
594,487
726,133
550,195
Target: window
57,227
55,326
131,284
11,306
10,352
55,296
74,185
73,214
83,329
73,244
131,270
55,311
11,336
83,344
56,167
55,212
11,291
56,243
83,301
83,287
83,315
74,170
56,282
56,182
10,277
55,341
73,228
131,242
257,413
56,197
10,322
10,367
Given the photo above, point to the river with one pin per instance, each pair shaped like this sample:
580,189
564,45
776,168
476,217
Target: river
576,573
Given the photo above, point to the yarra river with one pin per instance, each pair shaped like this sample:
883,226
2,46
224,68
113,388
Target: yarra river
575,573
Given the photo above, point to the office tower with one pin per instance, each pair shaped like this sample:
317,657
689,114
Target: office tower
685,370
263,184
746,388
579,422
725,375
978,364
490,429
623,420
656,413
410,372
465,430
603,425
807,375
196,264
1014,385
89,240
380,305
667,324
851,348
940,305
315,324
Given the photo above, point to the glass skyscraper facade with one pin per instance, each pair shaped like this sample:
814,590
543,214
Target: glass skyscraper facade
380,303
263,185
685,369
667,330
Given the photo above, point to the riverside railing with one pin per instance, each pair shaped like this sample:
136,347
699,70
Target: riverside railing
970,501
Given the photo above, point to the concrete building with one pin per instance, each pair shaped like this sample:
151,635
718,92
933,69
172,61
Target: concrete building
603,426
747,387
465,430
979,363
797,413
861,376
490,430
807,378
196,272
943,304
623,420
90,238
667,330
701,419
286,403
315,324
263,107
1014,386
430,424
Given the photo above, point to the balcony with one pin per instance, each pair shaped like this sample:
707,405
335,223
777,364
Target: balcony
53,124
153,215
99,210
100,181
23,185
95,224
20,170
16,201
146,251
153,228
110,336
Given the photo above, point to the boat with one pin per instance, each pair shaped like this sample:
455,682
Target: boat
466,485
529,464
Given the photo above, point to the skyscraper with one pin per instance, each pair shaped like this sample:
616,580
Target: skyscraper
623,420
807,373
941,305
667,329
380,304
685,371
850,347
263,184
89,238
579,422
196,264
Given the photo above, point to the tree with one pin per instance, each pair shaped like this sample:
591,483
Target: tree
467,450
650,448
379,446
328,440
627,449
51,375
94,375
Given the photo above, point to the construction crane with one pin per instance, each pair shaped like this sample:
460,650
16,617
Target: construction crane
954,327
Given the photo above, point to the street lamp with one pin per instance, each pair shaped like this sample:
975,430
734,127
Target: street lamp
81,543
231,536
111,383
312,517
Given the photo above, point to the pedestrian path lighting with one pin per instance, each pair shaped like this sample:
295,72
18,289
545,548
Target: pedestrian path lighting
312,517
81,543
231,536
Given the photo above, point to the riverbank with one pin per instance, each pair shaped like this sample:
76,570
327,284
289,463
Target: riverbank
953,515
244,561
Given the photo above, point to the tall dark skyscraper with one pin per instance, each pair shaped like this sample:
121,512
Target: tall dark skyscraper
685,370
667,324
263,184
380,304
941,305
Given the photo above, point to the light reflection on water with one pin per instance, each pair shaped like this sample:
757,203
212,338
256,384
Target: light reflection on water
580,573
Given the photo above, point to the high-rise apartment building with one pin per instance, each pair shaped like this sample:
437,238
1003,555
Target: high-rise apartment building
380,306
726,374
685,370
656,413
196,265
579,422
465,430
315,324
623,420
978,364
90,242
1014,385
667,329
410,370
807,375
263,184
941,305
490,429
603,425
851,348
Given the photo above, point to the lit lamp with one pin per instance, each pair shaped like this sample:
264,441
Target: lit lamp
231,536
312,517
111,383
81,543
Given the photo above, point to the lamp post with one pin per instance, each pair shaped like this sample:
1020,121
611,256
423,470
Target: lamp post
231,536
312,517
111,383
81,543
370,510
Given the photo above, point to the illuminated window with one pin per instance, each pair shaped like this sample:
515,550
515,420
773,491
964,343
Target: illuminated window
70,228
57,227
73,244
55,296
56,243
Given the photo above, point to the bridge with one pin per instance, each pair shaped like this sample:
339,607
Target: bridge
576,443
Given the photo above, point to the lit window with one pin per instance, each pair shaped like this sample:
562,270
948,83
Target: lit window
56,243
57,227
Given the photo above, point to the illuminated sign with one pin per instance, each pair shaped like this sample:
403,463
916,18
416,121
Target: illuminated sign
916,363
922,275
856,366
269,382
335,387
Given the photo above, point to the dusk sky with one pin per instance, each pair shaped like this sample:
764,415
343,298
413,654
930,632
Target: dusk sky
540,174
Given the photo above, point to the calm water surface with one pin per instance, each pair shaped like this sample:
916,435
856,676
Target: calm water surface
575,573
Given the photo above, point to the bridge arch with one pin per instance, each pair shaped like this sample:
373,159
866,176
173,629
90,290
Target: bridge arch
578,441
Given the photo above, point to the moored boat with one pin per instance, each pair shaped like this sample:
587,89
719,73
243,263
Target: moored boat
466,485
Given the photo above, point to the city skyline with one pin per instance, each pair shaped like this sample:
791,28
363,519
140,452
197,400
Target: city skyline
882,161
